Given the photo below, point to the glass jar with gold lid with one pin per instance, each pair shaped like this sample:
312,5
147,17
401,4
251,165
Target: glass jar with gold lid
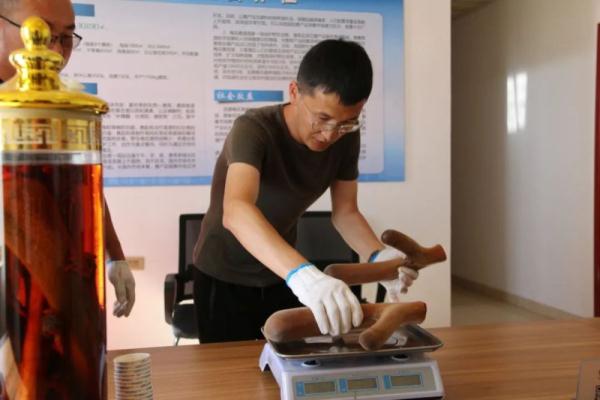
52,294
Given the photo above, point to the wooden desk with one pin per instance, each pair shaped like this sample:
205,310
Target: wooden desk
537,360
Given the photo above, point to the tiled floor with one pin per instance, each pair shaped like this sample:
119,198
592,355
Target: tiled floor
471,308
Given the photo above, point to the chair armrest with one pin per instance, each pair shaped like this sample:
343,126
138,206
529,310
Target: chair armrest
170,293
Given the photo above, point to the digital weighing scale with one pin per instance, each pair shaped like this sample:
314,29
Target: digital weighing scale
320,368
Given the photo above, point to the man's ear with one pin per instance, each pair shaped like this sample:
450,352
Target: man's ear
294,92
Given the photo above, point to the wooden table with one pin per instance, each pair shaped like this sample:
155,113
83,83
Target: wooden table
535,360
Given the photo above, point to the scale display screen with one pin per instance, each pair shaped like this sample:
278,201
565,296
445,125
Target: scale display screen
319,387
405,380
365,383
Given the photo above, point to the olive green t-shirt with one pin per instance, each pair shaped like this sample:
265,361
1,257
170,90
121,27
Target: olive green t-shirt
292,177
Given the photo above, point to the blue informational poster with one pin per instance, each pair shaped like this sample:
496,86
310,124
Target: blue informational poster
176,74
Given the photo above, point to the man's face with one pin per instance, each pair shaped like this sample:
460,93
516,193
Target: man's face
321,119
57,13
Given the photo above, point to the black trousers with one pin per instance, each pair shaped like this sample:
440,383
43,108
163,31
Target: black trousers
228,312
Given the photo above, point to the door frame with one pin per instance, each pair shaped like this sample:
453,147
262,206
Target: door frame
597,186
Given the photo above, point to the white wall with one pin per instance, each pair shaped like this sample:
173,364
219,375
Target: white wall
146,218
522,213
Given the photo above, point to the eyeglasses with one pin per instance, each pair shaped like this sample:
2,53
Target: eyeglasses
67,41
319,124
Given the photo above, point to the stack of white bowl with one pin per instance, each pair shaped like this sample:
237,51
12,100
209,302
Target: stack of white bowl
133,377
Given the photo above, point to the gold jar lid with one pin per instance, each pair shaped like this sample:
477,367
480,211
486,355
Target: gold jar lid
37,83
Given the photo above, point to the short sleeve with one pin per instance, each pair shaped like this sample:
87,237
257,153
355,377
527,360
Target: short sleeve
348,170
246,142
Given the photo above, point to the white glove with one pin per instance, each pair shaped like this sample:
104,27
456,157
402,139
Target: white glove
335,307
406,275
121,277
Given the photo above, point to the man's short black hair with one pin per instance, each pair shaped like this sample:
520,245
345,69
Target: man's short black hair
337,66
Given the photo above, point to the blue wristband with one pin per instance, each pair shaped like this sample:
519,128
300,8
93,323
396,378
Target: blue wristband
374,255
298,268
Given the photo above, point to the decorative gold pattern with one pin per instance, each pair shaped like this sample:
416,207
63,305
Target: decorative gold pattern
49,134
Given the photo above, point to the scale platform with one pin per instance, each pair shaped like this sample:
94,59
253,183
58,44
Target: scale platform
322,368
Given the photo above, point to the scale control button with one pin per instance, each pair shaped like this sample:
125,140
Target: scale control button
343,385
387,382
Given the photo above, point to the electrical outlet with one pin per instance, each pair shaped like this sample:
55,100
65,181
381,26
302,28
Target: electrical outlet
135,262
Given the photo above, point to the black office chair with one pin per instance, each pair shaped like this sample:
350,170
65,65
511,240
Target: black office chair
179,288
321,244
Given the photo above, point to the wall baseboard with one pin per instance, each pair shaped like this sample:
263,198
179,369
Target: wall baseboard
510,298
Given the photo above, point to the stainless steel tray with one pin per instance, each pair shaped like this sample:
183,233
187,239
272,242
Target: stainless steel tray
408,339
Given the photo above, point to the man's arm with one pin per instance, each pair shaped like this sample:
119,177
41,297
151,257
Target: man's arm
349,221
332,303
248,224
113,245
357,232
119,273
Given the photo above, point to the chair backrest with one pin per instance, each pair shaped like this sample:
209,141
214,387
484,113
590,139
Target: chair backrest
189,229
317,240
320,242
